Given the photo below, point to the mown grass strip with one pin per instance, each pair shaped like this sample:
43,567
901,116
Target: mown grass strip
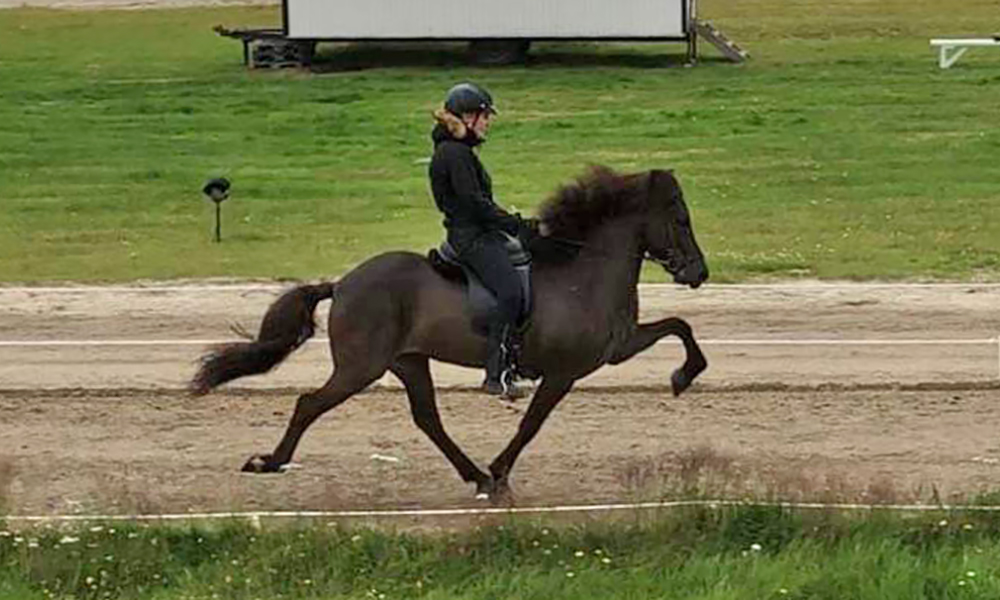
741,552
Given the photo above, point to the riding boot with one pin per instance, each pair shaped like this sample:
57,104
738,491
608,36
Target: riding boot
500,365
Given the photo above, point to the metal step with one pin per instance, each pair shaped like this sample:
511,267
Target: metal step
727,47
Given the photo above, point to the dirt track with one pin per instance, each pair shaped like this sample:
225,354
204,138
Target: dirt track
104,428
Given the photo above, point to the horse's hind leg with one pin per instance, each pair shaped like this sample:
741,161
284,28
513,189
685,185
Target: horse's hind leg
414,372
648,334
343,384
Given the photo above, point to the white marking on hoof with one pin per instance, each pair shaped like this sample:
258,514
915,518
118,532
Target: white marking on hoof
481,496
288,467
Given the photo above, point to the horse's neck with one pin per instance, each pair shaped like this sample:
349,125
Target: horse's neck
609,264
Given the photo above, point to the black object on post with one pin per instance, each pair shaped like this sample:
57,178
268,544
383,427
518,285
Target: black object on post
217,191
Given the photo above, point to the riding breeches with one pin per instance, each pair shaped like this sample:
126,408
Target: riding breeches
487,257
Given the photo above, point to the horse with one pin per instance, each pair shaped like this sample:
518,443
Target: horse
395,312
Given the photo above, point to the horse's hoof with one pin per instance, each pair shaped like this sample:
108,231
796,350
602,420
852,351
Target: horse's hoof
261,464
679,382
500,493
484,489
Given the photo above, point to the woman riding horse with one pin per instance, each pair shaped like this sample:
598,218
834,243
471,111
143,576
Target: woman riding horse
478,229
395,312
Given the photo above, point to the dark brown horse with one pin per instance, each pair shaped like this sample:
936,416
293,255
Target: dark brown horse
395,312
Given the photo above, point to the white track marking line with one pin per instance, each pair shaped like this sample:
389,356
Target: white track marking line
452,512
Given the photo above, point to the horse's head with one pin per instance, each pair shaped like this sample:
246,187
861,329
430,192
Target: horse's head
668,237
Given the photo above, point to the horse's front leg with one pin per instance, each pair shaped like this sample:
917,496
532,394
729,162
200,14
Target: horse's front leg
548,395
646,335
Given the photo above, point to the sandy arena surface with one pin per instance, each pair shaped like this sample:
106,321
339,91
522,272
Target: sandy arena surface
106,428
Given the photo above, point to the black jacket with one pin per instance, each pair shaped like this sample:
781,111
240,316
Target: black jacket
463,190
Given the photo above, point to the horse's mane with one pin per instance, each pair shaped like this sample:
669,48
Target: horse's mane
576,209
595,197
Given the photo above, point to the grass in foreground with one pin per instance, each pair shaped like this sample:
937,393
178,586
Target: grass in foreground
746,552
840,150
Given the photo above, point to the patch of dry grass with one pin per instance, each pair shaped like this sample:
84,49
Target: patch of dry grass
7,474
706,472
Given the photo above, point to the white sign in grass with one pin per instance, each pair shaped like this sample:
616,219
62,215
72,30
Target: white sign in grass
950,50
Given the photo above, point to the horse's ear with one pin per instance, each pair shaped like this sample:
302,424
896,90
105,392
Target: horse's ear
664,185
658,177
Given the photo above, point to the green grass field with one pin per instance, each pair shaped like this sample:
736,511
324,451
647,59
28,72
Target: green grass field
734,554
839,151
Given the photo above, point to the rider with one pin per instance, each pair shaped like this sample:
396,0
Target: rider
478,229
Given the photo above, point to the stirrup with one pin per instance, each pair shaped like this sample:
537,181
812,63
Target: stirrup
508,381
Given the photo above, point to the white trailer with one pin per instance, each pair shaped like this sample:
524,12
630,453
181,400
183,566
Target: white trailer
487,19
506,26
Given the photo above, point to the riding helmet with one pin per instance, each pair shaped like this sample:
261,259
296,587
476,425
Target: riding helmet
468,98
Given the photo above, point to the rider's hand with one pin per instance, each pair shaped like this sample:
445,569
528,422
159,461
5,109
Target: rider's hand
535,226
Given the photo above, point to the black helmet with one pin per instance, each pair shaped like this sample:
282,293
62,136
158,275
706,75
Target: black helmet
468,98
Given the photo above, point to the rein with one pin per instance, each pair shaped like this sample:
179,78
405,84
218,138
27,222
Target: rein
668,263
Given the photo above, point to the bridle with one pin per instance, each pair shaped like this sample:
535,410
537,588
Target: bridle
668,262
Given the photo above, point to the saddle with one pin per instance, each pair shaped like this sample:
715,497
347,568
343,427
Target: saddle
480,301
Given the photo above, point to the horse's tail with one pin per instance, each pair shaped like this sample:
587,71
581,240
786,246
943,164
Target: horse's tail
287,325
